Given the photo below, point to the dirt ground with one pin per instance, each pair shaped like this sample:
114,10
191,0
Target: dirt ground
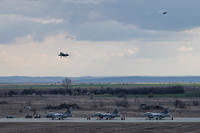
87,105
99,127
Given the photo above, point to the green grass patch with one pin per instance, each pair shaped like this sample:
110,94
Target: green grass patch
184,95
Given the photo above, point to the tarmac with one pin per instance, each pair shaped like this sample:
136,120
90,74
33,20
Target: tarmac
93,120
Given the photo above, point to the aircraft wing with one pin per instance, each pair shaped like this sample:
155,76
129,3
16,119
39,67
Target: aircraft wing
101,115
57,115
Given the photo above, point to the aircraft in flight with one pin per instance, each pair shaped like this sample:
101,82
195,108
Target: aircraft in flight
165,12
63,54
158,116
107,116
60,116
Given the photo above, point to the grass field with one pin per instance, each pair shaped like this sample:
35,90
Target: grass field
15,105
96,86
194,94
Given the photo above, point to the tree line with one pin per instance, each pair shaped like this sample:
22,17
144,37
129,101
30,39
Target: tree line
99,91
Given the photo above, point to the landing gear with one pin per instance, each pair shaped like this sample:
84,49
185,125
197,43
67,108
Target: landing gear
148,118
123,118
88,118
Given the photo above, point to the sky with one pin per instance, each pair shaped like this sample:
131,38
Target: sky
103,37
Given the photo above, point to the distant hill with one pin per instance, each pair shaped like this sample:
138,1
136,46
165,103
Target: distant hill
24,79
125,79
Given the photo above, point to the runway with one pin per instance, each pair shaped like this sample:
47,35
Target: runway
93,120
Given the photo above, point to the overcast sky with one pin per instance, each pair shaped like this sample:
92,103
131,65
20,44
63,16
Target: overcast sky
103,37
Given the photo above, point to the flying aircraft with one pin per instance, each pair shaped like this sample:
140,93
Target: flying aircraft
63,54
158,116
165,12
60,116
107,116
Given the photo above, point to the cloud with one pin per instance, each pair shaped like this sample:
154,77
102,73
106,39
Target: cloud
185,49
16,17
29,57
94,20
26,56
23,40
16,26
45,21
94,15
132,51
102,37
88,1
110,30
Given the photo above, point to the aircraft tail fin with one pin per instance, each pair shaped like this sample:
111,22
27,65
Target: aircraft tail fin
69,110
166,110
116,111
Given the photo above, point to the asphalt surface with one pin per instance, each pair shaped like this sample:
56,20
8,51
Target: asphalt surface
84,120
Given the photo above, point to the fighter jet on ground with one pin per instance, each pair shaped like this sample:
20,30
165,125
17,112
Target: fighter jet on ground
60,116
158,116
10,116
63,54
107,116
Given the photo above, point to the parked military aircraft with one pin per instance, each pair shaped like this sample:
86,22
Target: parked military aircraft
10,116
107,116
63,54
60,116
158,116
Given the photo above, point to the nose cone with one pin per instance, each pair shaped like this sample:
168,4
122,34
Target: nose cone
146,114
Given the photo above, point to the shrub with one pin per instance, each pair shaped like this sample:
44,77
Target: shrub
3,102
123,103
179,104
62,106
195,103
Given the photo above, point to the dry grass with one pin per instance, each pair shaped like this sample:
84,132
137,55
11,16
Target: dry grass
15,105
99,127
